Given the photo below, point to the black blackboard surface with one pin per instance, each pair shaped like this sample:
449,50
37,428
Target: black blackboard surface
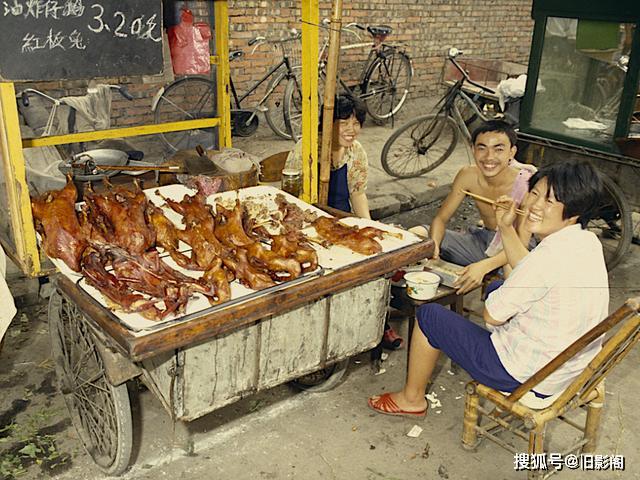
74,39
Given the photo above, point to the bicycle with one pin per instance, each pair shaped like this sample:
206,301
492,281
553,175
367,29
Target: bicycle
383,84
427,141
192,97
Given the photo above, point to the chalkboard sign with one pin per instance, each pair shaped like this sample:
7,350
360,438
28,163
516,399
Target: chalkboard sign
73,39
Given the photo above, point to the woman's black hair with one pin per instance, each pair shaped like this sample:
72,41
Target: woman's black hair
576,184
497,126
347,105
344,106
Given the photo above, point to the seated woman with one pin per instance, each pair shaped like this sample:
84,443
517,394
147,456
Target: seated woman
554,295
349,171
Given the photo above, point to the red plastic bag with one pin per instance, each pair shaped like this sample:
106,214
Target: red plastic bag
189,45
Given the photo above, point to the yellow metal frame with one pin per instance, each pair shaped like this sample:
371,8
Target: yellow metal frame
24,249
310,20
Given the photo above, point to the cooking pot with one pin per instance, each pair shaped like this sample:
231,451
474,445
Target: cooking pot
81,165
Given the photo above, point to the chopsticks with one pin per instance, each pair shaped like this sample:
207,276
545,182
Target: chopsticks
489,201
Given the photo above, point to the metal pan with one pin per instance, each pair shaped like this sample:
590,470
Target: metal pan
83,164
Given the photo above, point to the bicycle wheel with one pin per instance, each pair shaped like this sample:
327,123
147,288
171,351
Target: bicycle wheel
275,105
293,107
612,224
188,98
386,85
293,104
419,146
100,412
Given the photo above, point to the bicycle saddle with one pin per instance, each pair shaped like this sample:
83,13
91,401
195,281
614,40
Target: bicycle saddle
233,54
379,30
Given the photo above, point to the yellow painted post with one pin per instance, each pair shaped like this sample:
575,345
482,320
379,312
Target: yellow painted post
221,14
310,20
26,248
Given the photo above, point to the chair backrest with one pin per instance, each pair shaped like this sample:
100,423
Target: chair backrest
612,352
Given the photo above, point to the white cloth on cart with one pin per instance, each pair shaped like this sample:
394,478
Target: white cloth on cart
7,305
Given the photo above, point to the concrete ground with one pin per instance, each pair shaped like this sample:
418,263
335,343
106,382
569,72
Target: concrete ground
282,433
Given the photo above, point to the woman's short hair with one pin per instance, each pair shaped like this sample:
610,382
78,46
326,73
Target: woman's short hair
576,184
347,105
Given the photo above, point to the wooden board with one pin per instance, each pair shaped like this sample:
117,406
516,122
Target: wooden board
48,40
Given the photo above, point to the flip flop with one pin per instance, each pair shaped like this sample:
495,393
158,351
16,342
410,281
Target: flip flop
391,340
385,405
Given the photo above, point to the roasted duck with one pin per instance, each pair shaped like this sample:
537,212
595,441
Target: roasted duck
55,219
351,237
125,212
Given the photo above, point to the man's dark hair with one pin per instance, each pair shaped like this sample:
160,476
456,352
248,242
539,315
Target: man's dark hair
497,126
347,105
576,184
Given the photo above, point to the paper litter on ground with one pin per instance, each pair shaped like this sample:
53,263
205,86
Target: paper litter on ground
414,432
433,400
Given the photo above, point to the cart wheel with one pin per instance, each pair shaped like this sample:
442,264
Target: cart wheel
323,380
612,223
100,412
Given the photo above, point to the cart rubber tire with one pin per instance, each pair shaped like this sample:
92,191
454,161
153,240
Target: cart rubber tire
322,380
426,141
612,224
275,112
100,412
398,93
188,98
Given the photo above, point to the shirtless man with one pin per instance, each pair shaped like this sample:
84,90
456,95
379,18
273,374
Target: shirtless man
494,174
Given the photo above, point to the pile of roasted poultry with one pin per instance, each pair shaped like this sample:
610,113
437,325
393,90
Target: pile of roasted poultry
113,241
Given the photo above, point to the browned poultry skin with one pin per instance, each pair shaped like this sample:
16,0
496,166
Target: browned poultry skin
118,293
247,274
55,217
335,232
167,237
229,228
216,276
289,246
260,257
125,211
194,209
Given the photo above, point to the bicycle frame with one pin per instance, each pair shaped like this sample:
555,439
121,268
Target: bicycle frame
238,100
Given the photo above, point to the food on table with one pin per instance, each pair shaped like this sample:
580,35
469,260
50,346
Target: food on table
125,211
113,242
359,240
56,221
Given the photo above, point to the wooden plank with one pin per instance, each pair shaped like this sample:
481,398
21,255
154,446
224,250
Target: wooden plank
230,319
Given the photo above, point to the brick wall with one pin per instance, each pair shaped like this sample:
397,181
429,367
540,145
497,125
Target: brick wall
497,29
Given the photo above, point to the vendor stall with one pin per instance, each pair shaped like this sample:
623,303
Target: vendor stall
200,347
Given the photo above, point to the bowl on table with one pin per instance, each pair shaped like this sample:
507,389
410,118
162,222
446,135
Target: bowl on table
421,285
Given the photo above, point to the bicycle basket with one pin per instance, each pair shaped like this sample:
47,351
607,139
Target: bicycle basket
292,48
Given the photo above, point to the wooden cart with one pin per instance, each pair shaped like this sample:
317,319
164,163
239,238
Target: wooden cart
214,359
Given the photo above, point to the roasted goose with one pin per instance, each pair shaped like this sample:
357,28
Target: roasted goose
246,273
351,237
229,226
55,219
292,245
125,211
118,293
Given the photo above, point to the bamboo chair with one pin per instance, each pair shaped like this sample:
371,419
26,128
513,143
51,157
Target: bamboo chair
516,412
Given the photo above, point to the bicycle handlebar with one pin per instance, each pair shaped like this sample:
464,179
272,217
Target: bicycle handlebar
451,55
24,96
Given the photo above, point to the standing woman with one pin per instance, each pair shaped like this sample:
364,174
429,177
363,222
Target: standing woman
349,171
